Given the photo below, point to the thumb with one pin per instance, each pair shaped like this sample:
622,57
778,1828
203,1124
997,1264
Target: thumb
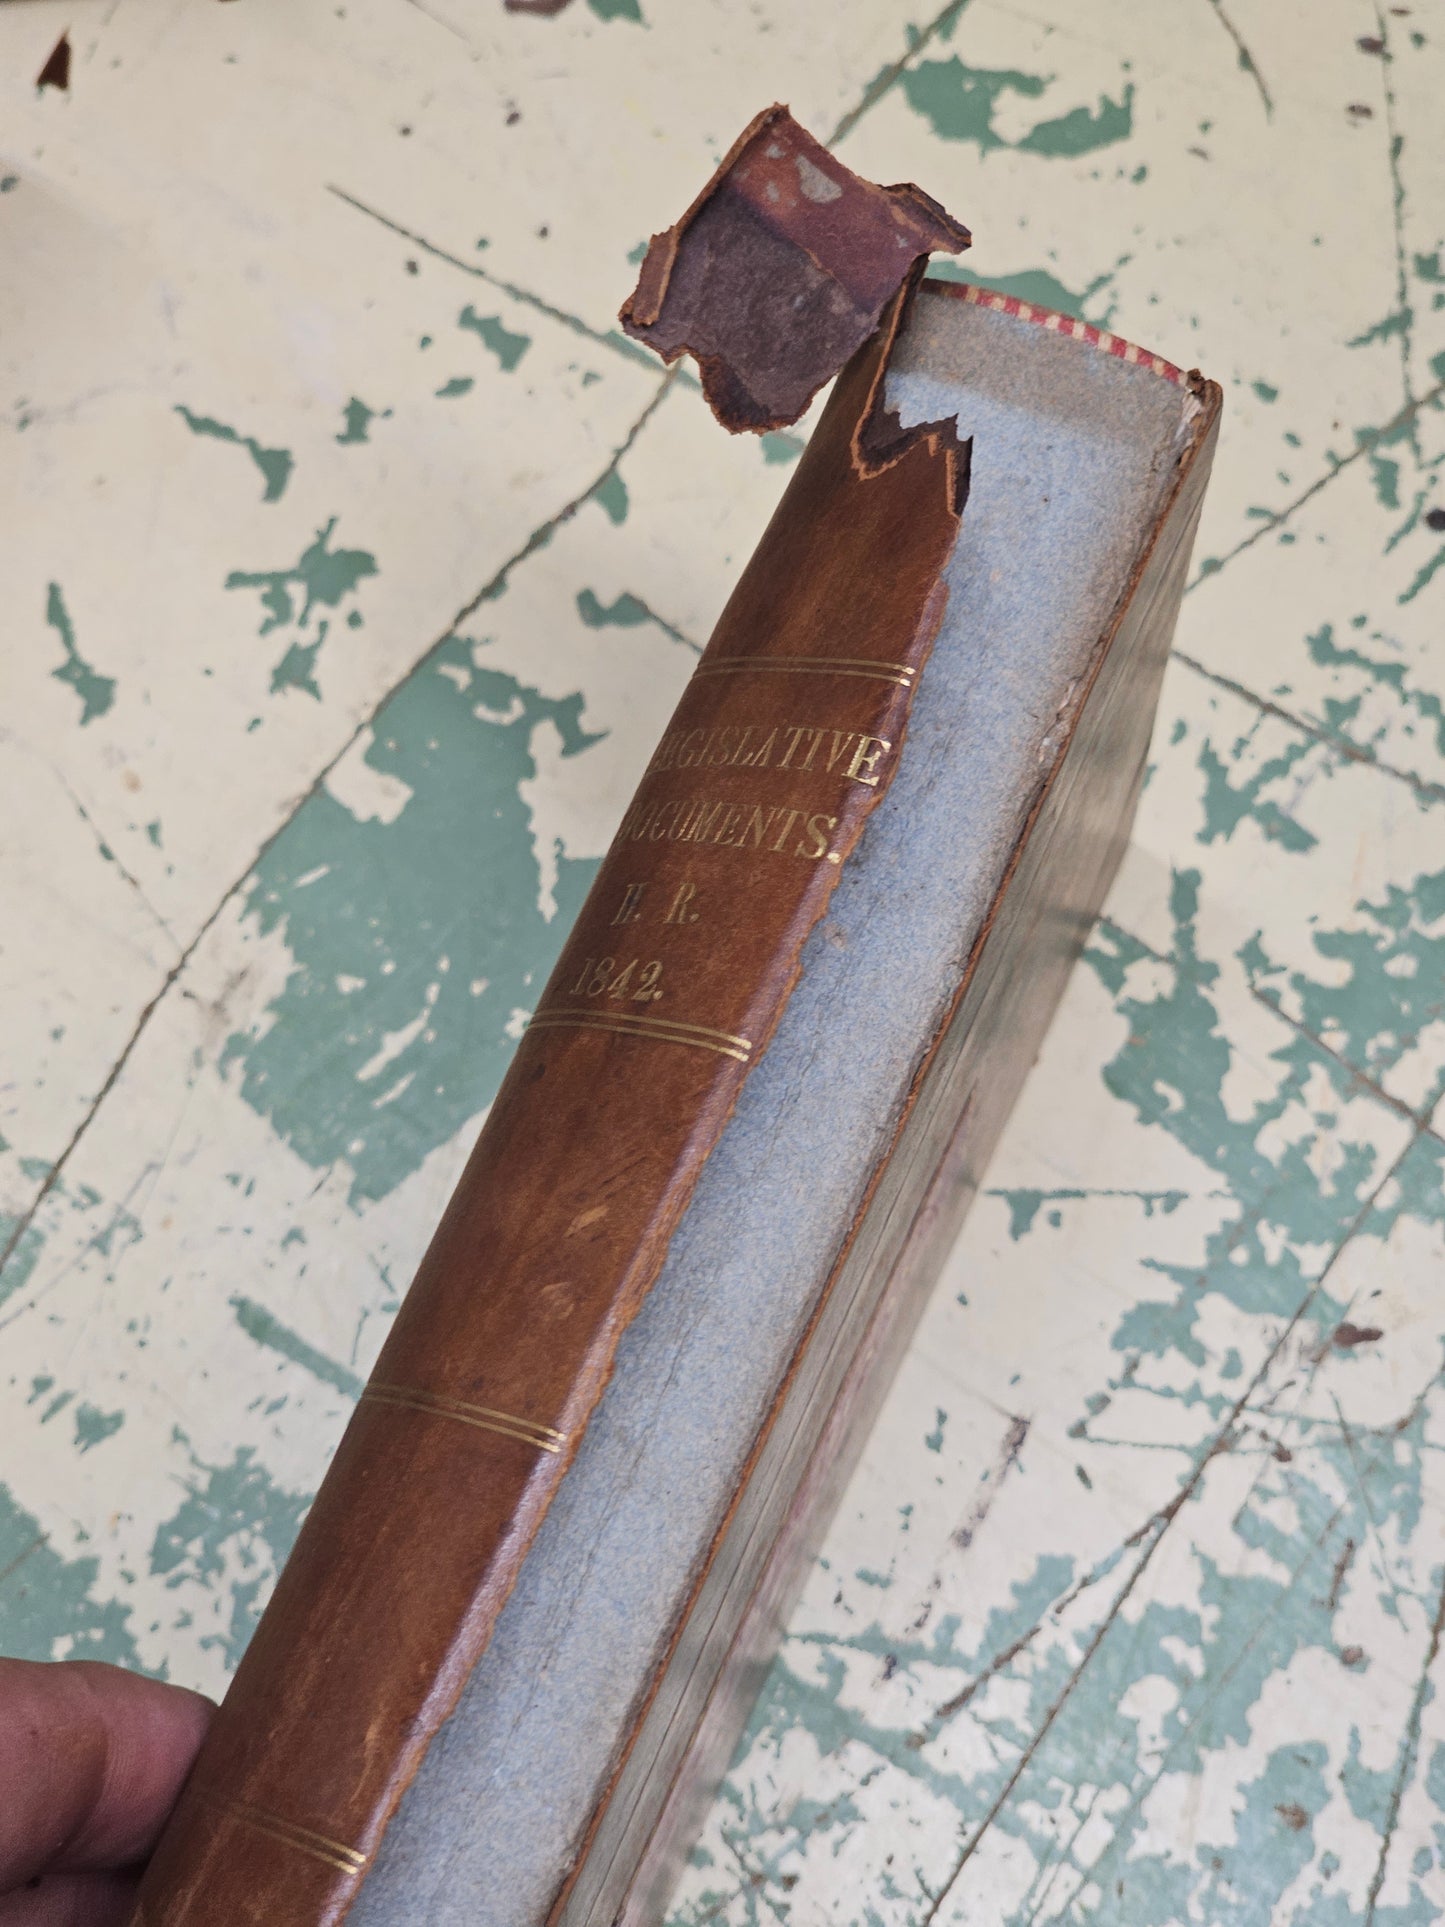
91,1761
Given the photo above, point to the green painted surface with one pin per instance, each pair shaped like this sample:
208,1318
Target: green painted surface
778,446
1037,285
962,103
356,422
50,1604
275,464
416,994
611,496
234,1524
321,578
93,1427
509,348
269,1331
623,612
96,692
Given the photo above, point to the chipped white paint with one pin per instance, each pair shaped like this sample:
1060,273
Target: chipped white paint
353,564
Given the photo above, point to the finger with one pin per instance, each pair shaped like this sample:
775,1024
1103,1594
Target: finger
91,1761
71,1900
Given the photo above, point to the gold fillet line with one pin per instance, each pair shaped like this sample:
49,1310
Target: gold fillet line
543,1437
332,1852
810,662
894,672
625,1029
660,1023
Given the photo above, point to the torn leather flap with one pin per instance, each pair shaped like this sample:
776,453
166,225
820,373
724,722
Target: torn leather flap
779,272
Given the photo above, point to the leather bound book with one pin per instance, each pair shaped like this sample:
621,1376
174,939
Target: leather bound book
570,1782
667,991
522,1626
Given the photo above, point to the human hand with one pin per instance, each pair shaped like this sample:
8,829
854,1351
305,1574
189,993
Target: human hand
91,1762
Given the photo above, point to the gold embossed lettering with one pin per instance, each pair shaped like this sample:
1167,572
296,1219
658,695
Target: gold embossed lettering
709,815
865,758
805,747
795,736
630,908
638,818
818,837
647,991
682,824
789,817
602,975
680,910
841,739
756,828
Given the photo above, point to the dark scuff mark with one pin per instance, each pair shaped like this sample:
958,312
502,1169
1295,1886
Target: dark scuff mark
56,71
1294,1816
1337,1577
1347,1335
1004,1463
778,273
548,7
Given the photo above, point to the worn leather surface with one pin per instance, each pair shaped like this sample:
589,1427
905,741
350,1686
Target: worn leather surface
669,987
780,269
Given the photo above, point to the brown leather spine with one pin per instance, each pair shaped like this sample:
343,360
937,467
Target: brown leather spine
669,987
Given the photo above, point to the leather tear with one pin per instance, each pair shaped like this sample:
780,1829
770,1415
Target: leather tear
880,439
781,269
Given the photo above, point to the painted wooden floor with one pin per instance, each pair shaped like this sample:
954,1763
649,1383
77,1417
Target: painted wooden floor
352,563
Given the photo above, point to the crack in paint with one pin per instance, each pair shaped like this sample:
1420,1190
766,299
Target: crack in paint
611,338
1329,738
1212,565
1247,61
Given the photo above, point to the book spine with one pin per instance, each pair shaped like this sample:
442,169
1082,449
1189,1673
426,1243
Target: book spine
668,989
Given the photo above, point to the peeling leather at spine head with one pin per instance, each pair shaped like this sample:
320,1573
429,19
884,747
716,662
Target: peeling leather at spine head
879,437
780,270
